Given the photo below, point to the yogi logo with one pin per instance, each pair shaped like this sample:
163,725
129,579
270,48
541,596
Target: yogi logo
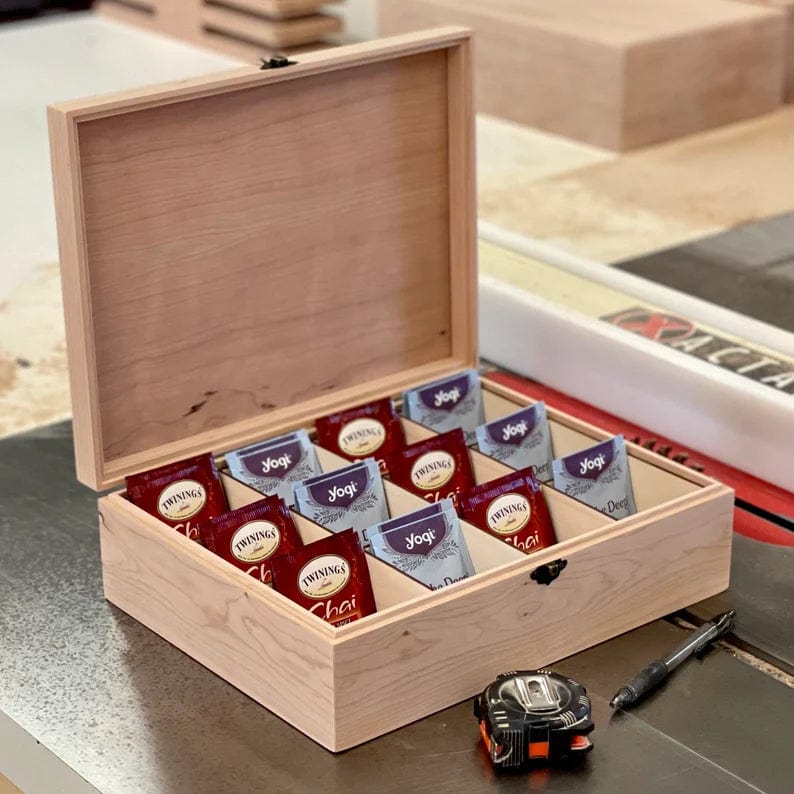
181,500
324,576
276,465
342,489
255,541
345,492
432,470
591,464
517,431
508,514
361,437
276,462
446,396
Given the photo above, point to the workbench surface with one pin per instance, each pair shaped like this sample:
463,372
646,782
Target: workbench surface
92,700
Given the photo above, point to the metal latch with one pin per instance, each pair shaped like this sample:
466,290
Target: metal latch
276,61
546,574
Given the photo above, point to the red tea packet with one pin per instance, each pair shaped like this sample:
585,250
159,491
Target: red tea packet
437,468
252,536
182,494
512,509
371,430
329,577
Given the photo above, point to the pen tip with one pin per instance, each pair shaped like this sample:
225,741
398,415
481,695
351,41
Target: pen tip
621,699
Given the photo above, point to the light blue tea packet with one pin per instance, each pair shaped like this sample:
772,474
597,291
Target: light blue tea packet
598,476
520,440
273,467
349,497
448,403
427,545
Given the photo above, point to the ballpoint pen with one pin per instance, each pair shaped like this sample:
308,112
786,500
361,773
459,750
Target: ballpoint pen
698,642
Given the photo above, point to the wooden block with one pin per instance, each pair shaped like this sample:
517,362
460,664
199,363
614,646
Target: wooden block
787,8
247,29
269,32
619,73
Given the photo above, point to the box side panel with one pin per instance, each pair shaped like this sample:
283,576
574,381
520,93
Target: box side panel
434,657
277,660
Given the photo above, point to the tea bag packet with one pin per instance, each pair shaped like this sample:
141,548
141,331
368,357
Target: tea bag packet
348,497
448,403
520,440
273,467
512,509
252,536
182,494
437,468
427,544
371,430
329,577
598,476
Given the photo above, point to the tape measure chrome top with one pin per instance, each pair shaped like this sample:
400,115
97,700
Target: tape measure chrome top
533,716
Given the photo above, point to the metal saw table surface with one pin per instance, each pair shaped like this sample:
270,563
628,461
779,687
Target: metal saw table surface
91,700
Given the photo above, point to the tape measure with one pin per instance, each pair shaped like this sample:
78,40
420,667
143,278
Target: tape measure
534,716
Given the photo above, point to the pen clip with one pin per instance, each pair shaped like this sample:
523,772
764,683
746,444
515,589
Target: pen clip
723,625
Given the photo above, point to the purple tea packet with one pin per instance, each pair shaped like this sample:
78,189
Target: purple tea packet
427,545
349,497
447,404
598,476
520,440
273,467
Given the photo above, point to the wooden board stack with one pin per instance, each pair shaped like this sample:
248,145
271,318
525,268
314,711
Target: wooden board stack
247,29
618,73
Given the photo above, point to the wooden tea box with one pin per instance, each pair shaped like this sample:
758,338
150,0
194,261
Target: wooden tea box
247,251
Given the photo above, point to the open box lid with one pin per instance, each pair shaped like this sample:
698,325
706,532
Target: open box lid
245,251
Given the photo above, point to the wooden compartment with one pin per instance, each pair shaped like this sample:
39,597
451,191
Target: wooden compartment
243,253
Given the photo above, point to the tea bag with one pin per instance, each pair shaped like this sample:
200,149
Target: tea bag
181,494
371,430
447,404
273,467
511,508
428,545
330,578
436,468
348,497
598,476
520,440
252,536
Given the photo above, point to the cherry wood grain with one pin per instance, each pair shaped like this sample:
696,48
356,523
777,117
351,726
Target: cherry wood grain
245,251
